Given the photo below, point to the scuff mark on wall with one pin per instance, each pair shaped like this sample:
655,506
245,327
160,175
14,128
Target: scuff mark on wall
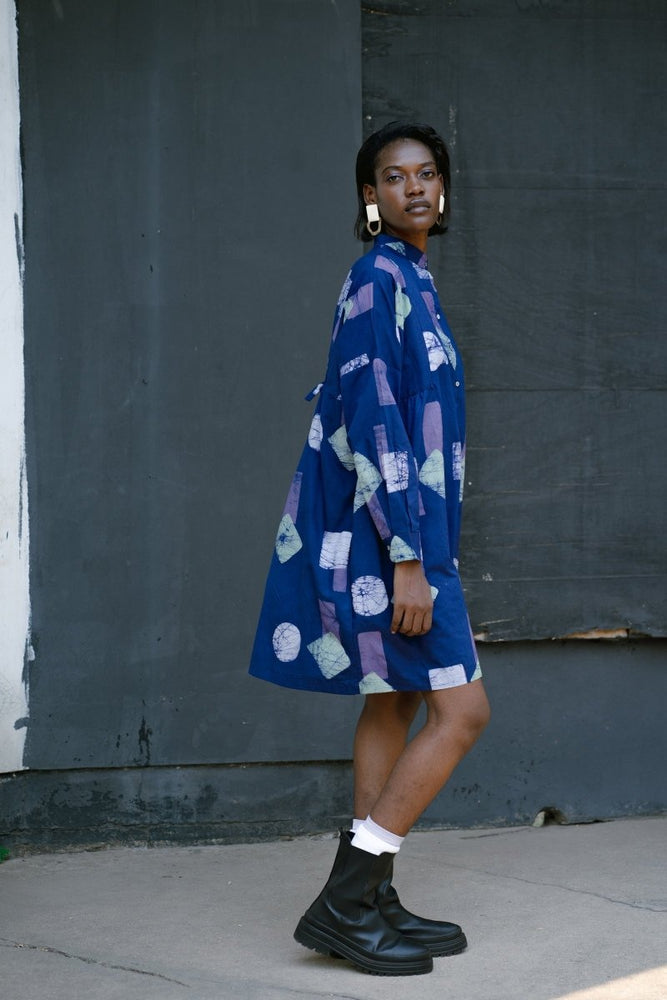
20,251
601,633
145,733
14,566
591,635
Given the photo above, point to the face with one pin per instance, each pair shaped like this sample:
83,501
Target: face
407,190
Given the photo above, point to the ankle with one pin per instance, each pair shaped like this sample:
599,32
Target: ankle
373,838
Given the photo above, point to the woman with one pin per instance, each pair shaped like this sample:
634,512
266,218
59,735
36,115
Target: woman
363,594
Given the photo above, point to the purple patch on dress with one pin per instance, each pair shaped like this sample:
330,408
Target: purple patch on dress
360,302
385,264
432,427
371,652
385,395
381,439
292,502
377,514
422,509
328,618
340,579
430,305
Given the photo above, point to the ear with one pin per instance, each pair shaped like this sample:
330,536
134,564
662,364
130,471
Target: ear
370,196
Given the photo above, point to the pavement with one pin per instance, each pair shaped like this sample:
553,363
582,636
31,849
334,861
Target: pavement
557,913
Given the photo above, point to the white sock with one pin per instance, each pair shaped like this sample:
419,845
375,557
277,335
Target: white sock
356,823
375,839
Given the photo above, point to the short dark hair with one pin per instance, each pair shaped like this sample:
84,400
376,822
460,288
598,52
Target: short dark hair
368,155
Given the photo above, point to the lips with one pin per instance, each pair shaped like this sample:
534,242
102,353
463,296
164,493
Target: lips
419,203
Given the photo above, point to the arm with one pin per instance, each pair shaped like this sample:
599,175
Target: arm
369,354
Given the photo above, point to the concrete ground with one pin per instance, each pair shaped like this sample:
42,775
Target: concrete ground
558,913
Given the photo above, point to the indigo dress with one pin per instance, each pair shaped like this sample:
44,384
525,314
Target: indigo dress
380,481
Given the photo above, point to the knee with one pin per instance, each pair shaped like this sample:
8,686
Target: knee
473,722
477,719
465,720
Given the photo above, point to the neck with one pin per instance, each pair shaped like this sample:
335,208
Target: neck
418,240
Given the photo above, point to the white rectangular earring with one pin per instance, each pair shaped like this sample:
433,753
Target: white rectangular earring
373,216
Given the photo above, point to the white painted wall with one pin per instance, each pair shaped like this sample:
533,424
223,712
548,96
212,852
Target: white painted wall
14,593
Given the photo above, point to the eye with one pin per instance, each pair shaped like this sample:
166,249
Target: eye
428,173
392,178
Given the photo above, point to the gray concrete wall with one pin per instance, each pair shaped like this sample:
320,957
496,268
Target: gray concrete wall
578,727
552,280
187,235
188,205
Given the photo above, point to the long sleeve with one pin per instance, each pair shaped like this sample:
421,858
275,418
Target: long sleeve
368,352
378,482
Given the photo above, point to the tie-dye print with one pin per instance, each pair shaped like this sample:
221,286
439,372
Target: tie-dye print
355,363
380,481
315,433
385,395
288,539
286,641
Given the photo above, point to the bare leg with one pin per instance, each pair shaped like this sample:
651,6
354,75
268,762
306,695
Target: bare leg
380,739
456,718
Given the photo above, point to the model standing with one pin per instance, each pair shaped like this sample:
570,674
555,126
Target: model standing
364,595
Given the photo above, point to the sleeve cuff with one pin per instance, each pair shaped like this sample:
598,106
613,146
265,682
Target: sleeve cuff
401,550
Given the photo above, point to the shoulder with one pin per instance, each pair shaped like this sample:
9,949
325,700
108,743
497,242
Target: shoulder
374,267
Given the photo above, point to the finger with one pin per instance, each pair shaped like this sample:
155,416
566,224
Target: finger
397,619
408,622
427,624
417,624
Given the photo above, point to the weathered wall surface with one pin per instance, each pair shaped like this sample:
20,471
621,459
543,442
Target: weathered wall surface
553,279
14,599
577,727
188,207
187,234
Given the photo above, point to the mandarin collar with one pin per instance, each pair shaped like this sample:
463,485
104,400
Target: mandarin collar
402,249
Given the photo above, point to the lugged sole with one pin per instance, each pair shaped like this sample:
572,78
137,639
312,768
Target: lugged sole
317,939
454,947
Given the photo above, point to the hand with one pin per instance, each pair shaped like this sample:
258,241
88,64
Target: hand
413,603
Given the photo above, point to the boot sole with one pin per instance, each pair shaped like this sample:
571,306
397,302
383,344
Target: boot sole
325,943
453,947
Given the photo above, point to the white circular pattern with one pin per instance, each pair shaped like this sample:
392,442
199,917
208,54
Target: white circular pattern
369,596
286,642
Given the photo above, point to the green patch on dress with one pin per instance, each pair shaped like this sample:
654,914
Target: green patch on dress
373,684
341,446
329,655
288,539
448,346
403,307
368,480
400,551
432,473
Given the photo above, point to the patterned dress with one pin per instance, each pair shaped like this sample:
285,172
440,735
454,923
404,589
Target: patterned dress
380,481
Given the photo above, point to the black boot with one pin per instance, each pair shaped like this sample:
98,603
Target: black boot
439,936
345,920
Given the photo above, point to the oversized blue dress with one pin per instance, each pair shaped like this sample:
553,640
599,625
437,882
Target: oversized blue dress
380,481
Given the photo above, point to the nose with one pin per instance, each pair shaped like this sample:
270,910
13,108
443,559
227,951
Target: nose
414,185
